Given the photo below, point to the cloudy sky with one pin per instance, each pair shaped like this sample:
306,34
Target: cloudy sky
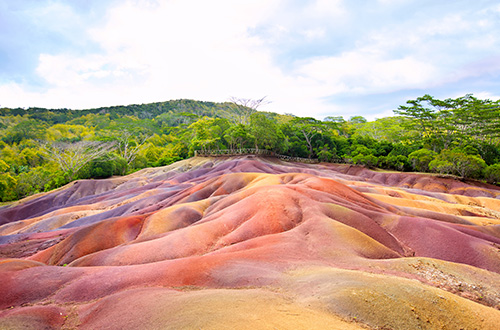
310,57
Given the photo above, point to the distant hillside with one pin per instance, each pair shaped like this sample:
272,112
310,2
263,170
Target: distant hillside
42,149
141,111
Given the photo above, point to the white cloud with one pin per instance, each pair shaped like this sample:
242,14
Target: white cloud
151,51
392,2
66,70
179,49
328,8
484,95
362,72
312,34
448,25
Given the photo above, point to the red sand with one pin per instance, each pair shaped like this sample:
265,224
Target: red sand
164,245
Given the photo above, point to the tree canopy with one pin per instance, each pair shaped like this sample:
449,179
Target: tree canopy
42,149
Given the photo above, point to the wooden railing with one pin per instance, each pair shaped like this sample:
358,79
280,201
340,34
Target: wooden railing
233,152
251,151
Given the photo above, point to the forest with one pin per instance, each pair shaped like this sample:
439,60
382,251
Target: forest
43,149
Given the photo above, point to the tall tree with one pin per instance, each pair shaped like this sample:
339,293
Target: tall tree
244,108
267,134
238,136
71,157
308,128
128,145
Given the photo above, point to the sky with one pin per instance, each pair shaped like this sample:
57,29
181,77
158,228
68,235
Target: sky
314,58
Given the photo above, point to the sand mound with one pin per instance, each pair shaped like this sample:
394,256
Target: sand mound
253,243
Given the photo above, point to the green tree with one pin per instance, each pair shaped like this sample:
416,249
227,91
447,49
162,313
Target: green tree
308,128
244,108
420,159
492,173
7,183
71,157
361,155
25,130
205,134
238,136
325,154
266,133
458,162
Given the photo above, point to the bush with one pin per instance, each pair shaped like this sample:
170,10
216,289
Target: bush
7,186
100,168
459,163
367,160
395,162
492,173
420,159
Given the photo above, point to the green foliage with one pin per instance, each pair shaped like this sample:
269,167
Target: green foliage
326,154
34,181
367,160
42,149
361,155
458,162
102,167
31,157
444,122
394,162
4,167
238,136
267,135
24,130
492,173
420,159
7,185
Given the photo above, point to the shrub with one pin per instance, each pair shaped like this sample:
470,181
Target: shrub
459,163
420,159
492,173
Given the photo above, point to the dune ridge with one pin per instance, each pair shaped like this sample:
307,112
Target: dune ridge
254,242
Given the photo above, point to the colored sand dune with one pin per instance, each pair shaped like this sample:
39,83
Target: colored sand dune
253,243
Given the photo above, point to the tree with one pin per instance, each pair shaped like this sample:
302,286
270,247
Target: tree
71,157
443,124
386,129
69,133
238,136
420,159
395,162
423,118
103,167
325,154
361,155
24,130
129,145
308,128
266,133
458,162
492,173
335,125
244,108
205,134
7,183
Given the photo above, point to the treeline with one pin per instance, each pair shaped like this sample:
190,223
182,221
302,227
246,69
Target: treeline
44,149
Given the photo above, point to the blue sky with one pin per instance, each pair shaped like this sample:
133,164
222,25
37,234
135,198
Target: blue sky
310,58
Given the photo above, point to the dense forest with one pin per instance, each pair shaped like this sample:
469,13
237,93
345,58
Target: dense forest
42,149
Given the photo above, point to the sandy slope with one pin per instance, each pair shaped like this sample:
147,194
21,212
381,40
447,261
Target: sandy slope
253,243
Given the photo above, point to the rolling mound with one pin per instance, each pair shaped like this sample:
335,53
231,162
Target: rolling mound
253,243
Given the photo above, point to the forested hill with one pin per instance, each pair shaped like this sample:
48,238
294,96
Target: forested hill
42,149
141,111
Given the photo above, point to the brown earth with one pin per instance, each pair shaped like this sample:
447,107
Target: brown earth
253,243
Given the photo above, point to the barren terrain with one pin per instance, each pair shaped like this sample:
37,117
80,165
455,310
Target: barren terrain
253,243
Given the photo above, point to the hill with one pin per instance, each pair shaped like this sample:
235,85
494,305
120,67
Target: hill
253,243
44,149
